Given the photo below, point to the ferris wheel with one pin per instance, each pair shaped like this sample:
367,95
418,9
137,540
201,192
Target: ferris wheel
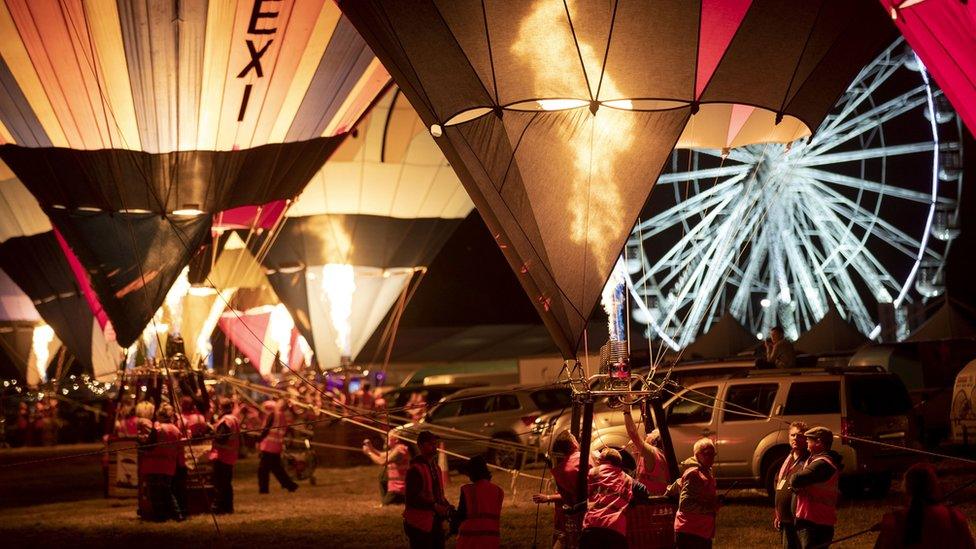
861,213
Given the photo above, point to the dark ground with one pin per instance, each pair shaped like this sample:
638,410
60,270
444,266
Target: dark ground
59,503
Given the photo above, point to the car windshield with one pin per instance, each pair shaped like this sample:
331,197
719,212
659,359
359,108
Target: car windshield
445,410
693,406
878,395
550,400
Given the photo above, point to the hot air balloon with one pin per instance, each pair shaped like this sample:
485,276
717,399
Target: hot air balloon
943,34
133,123
558,116
374,215
32,255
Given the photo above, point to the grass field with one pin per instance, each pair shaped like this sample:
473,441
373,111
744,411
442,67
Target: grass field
59,503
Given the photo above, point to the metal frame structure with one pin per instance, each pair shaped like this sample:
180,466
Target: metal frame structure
779,234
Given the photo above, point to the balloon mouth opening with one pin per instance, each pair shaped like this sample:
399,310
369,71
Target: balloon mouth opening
715,125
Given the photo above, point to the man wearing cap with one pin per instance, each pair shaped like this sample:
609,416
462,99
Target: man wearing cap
426,506
816,489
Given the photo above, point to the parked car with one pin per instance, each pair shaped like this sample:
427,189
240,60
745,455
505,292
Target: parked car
492,420
868,404
398,398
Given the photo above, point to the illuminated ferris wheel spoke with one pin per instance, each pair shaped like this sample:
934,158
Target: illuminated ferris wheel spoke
880,228
865,185
864,154
868,121
779,235
703,174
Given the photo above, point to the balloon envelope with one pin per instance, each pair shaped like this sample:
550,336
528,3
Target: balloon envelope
380,208
132,121
558,116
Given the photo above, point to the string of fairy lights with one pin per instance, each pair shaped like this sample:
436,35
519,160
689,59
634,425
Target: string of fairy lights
70,386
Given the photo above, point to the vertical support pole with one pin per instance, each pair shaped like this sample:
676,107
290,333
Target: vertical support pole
584,440
661,422
574,419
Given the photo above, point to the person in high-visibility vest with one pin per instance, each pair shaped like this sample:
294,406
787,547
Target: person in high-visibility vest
396,461
270,445
426,507
784,518
477,521
926,521
610,491
158,458
565,466
817,490
698,502
223,455
652,472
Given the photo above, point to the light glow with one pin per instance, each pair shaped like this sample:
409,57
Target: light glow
174,299
606,136
560,104
280,326
338,287
41,338
187,212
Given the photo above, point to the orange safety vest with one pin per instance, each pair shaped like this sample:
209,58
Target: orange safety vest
423,519
481,527
274,443
610,490
227,452
817,503
655,480
161,458
396,471
566,475
698,517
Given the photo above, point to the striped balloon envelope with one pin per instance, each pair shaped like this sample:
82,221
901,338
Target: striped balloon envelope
132,123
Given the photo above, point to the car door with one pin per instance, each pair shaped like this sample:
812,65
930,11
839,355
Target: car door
690,417
743,423
506,411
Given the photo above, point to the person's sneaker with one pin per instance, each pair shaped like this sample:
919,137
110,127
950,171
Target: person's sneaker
293,487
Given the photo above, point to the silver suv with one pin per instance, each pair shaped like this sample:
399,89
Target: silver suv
869,405
492,420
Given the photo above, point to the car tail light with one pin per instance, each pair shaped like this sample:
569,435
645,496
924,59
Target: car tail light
529,420
846,429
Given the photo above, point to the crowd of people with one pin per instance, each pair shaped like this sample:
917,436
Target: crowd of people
36,425
646,509
622,511
225,428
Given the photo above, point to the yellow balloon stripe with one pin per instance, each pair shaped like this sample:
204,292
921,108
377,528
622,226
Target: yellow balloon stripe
19,62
